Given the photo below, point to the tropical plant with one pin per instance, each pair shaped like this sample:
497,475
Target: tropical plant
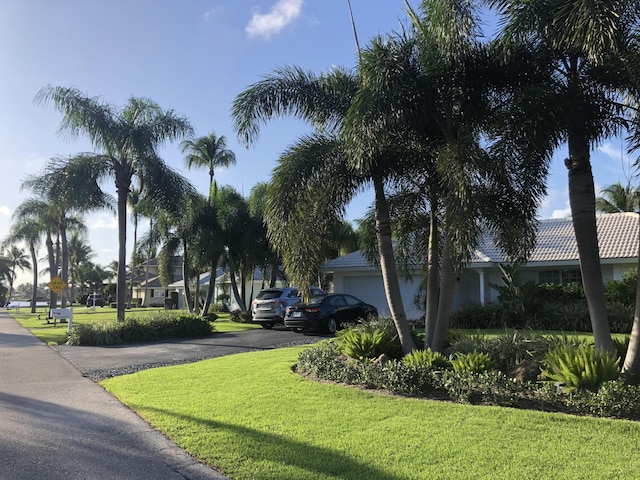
126,140
472,362
18,260
427,359
580,366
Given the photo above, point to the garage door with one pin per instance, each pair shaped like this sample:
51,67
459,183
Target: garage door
371,290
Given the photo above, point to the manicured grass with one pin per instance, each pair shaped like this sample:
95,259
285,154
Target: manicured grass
252,417
57,334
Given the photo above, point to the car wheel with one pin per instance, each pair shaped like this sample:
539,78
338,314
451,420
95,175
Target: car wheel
297,330
267,325
331,325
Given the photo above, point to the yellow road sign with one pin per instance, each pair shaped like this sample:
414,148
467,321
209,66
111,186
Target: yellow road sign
57,284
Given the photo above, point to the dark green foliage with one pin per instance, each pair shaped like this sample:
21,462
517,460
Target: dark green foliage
580,366
613,399
390,343
132,330
473,362
427,359
622,291
478,316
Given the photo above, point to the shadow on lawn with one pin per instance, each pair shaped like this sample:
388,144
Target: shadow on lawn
263,446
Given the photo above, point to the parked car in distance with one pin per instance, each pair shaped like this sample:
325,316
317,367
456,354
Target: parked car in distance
95,300
269,306
328,312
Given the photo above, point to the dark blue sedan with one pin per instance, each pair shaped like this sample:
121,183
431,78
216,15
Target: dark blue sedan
328,313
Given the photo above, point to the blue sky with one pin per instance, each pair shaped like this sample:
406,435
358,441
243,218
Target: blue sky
193,57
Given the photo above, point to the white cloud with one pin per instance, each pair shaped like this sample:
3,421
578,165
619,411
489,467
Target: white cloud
103,222
282,13
564,213
4,210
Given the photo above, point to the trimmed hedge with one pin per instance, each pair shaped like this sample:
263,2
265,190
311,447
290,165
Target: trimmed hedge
134,330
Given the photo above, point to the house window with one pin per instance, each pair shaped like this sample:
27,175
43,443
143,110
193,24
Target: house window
560,277
151,293
549,276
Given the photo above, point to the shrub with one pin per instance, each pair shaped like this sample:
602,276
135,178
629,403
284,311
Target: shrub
427,359
622,291
240,316
580,366
478,316
474,362
362,345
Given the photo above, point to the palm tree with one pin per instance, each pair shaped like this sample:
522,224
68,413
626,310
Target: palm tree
17,260
618,198
68,192
126,140
313,182
580,46
46,216
79,253
208,152
30,231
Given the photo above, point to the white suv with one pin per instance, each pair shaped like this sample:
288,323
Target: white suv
270,304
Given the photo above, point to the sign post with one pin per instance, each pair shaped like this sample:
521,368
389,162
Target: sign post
56,285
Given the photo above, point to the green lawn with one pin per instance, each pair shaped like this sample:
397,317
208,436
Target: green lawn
57,334
251,417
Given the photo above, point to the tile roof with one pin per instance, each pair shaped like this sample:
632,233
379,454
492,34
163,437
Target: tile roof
617,239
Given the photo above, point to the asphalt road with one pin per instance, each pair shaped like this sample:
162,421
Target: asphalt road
102,362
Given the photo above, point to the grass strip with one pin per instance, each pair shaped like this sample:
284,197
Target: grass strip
250,416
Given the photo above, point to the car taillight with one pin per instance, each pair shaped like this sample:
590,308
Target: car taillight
312,310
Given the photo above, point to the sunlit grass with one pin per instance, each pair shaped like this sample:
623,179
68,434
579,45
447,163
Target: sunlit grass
56,334
252,417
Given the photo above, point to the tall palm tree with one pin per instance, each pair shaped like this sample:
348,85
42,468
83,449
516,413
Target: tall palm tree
208,152
126,140
618,198
79,253
18,260
324,182
68,192
581,46
46,216
29,231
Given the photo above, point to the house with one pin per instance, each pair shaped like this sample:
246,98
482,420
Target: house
147,289
554,260
222,291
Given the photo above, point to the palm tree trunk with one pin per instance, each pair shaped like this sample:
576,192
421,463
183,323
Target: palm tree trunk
122,188
52,271
234,287
445,302
212,285
388,267
631,367
34,264
582,201
433,262
186,276
134,256
274,275
64,273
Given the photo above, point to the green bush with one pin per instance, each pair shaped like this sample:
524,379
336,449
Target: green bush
580,366
474,362
478,316
162,325
240,316
622,291
427,359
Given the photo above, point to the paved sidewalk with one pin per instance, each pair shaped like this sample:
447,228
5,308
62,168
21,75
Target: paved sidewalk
56,424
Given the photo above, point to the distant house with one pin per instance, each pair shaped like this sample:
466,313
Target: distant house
554,260
147,289
222,291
